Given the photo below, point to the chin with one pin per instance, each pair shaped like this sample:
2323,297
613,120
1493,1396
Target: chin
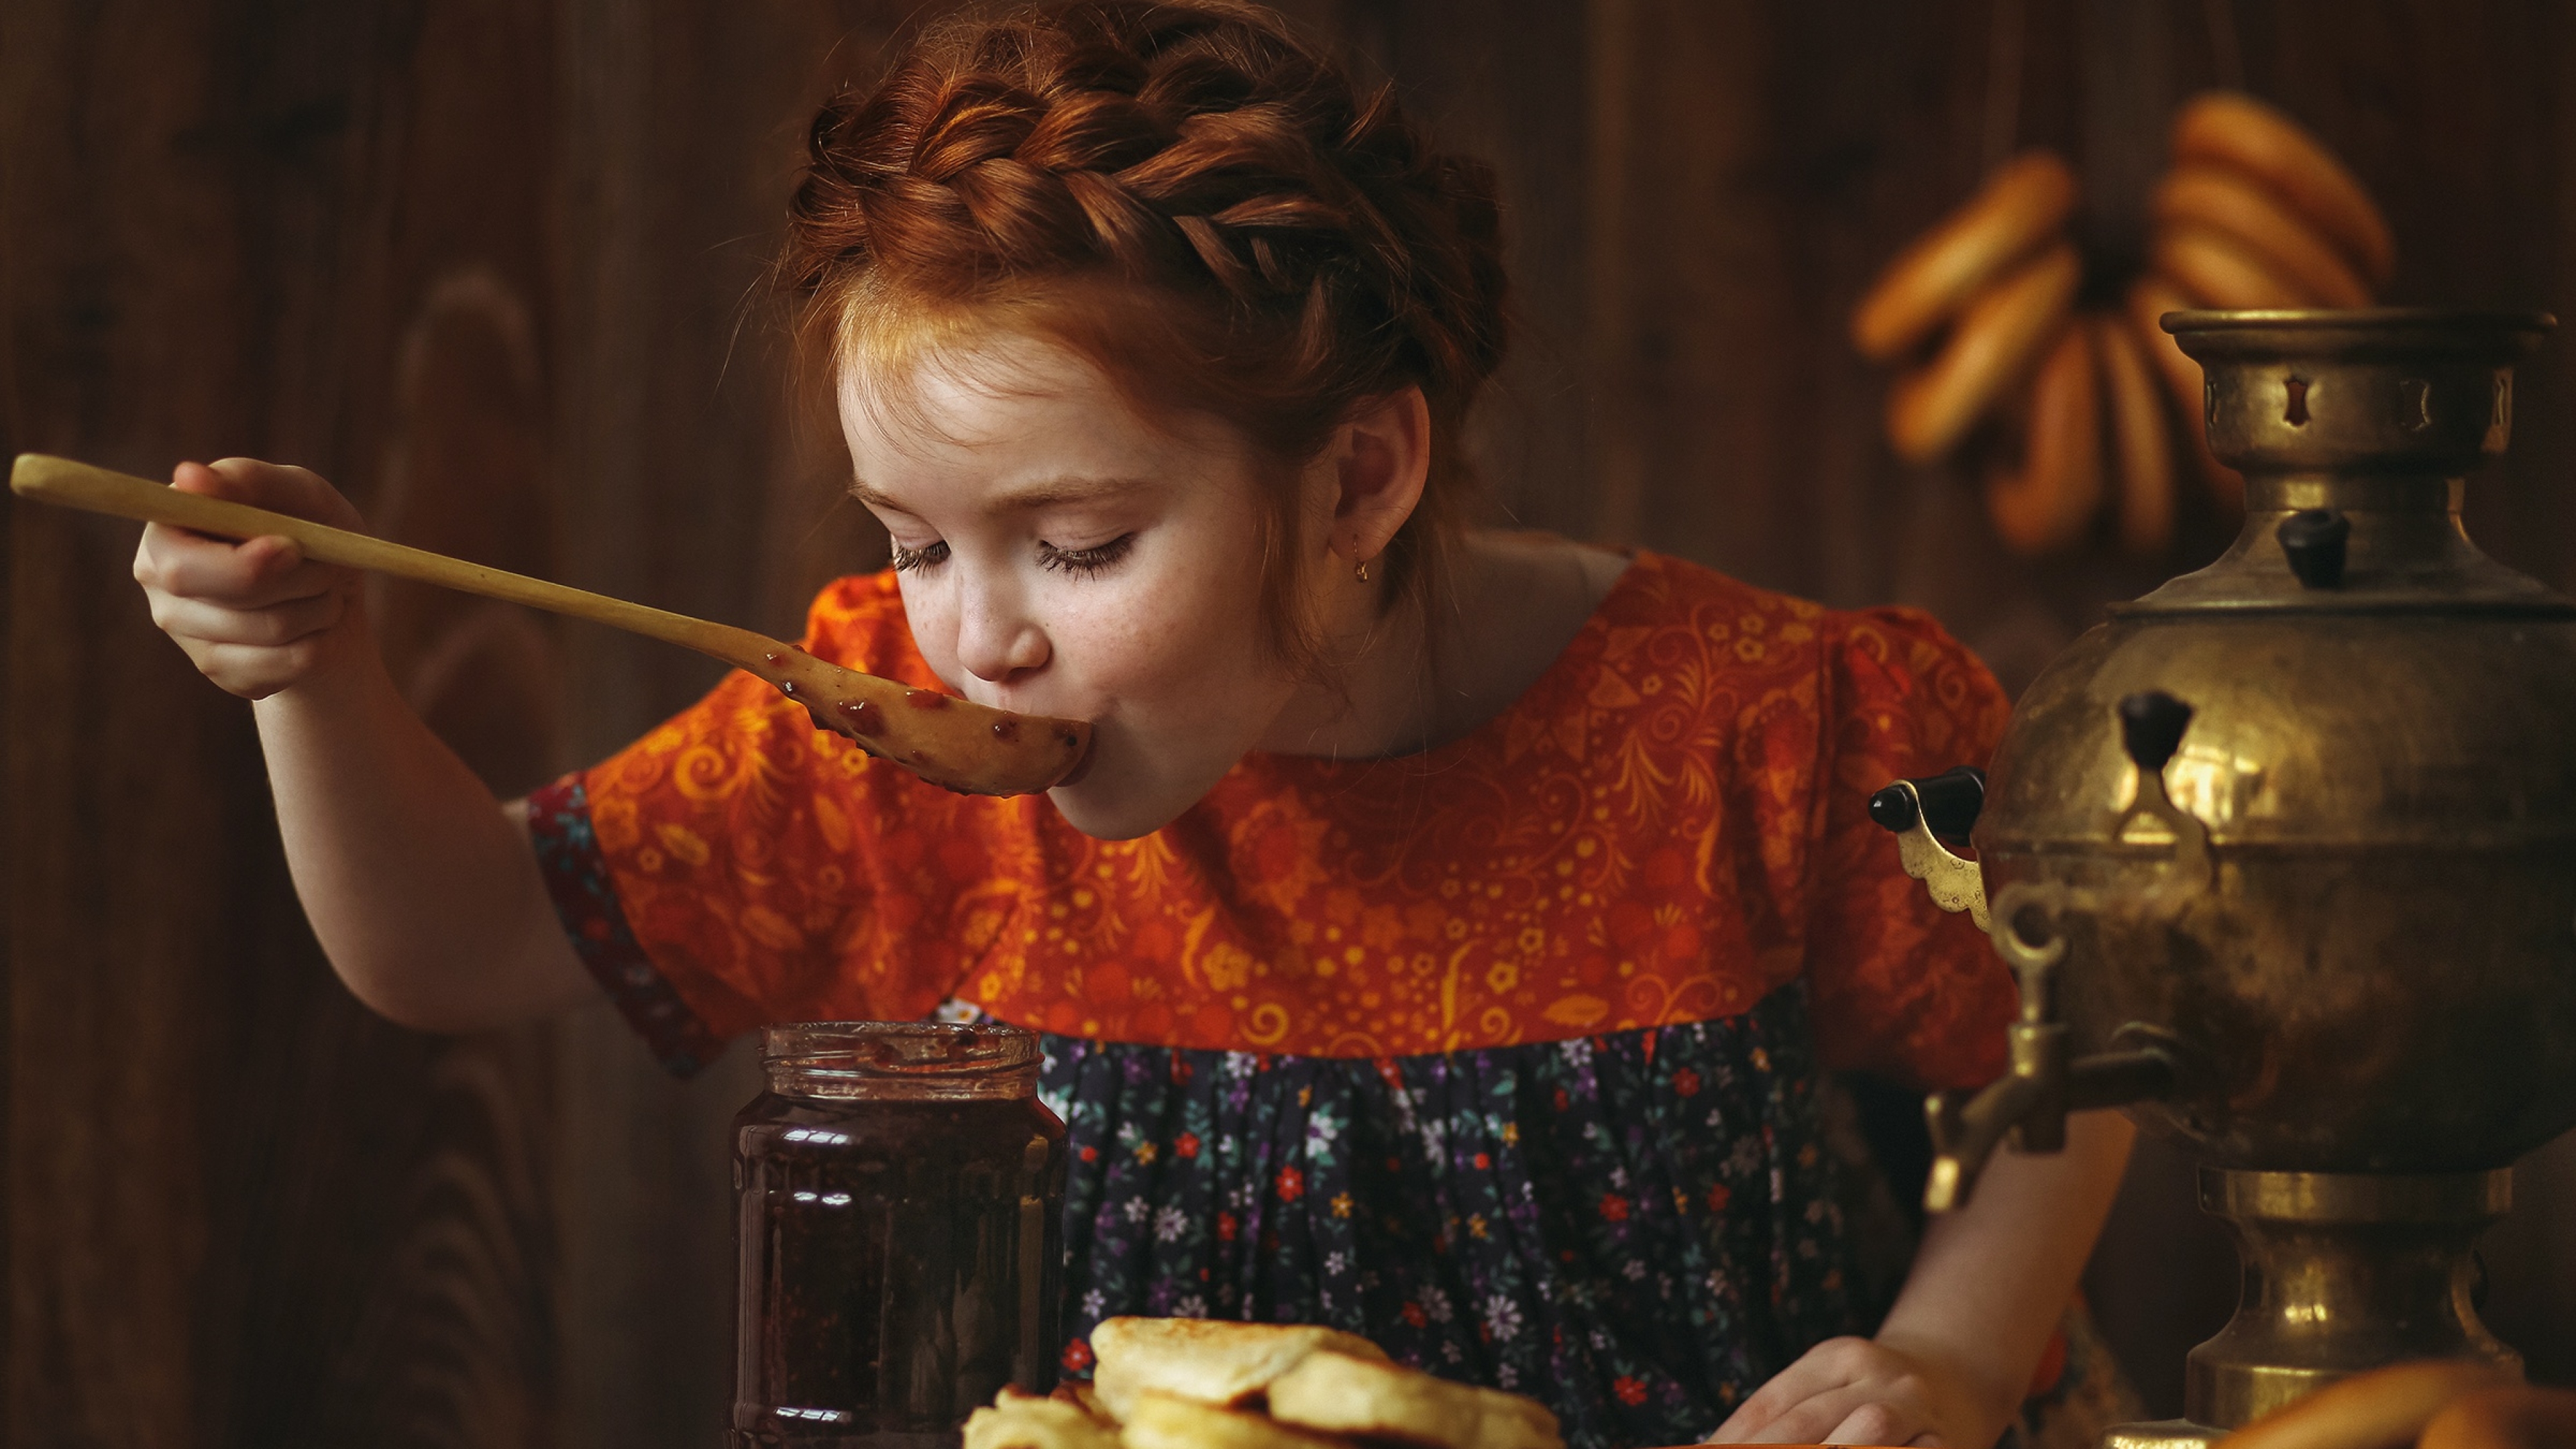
1103,812
1113,804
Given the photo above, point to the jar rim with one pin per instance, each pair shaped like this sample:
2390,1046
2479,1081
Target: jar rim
855,1051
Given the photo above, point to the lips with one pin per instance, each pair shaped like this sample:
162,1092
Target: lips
1082,766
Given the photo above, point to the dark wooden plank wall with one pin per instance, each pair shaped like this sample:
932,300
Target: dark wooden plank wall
242,1210
495,268
699,487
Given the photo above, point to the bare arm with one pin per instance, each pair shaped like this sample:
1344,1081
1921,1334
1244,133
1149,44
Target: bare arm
422,889
1954,1358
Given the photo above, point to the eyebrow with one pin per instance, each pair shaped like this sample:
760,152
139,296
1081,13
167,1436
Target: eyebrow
1051,493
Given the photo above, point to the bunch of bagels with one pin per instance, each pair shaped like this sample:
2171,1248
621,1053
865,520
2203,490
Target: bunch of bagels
1987,313
1198,1383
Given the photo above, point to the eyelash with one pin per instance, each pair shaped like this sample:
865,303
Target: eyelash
908,559
1088,562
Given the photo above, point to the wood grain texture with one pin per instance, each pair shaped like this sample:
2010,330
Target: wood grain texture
241,1209
703,481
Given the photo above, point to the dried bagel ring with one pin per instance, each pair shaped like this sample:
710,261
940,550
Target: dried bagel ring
2217,270
2150,297
2383,1409
2226,201
2139,442
2237,130
2021,206
1993,347
2043,504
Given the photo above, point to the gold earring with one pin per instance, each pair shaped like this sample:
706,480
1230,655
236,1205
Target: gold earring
1362,571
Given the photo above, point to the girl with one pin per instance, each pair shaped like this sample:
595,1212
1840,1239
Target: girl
1448,931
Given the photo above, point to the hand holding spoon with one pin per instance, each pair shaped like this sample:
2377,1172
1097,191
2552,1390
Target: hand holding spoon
970,748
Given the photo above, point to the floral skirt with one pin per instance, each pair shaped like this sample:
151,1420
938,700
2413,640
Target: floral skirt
1637,1229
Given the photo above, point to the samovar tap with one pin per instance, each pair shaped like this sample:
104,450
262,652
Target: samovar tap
2027,1107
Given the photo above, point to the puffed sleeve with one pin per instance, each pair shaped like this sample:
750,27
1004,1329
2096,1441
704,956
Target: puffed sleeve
737,867
1900,988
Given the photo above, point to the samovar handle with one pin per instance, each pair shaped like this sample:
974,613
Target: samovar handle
1922,813
2312,542
1946,803
2151,727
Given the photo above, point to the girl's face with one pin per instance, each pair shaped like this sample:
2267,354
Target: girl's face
1060,555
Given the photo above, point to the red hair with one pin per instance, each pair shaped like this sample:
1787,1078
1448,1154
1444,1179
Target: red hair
1189,196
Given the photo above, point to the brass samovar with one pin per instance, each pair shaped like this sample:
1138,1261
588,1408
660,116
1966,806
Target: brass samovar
2284,856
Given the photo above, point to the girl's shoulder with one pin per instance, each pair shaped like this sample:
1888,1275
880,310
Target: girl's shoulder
1661,588
1669,617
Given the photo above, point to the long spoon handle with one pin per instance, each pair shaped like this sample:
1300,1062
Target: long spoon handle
79,485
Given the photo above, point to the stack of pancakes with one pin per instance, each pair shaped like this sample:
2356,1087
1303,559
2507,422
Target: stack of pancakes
1197,1383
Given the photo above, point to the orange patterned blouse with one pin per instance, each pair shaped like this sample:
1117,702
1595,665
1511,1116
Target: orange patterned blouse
1663,829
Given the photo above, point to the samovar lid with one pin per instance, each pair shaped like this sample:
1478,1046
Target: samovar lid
2355,430
2508,333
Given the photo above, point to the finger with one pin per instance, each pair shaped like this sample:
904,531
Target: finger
1776,1397
198,478
243,480
282,572
1927,1440
1808,1421
268,628
1874,1423
1830,1365
277,487
248,575
179,561
292,491
1740,1425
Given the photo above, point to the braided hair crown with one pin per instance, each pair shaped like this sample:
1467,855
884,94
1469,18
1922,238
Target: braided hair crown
1301,248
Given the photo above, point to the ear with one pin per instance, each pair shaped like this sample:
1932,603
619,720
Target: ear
1377,462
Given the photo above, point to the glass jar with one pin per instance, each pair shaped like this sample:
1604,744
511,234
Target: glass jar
900,1194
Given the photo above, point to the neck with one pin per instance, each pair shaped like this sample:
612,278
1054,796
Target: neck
1375,696
1398,682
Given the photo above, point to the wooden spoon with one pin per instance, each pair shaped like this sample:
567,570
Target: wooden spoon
969,748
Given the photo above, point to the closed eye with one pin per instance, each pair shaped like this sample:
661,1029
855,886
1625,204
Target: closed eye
929,555
1088,562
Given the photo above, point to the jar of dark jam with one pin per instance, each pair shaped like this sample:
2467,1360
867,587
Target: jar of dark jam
901,1190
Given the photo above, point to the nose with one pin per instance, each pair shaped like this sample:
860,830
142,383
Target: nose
997,641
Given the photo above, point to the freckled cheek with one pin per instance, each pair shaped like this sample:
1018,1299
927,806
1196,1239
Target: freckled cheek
934,631
1132,655
1160,645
